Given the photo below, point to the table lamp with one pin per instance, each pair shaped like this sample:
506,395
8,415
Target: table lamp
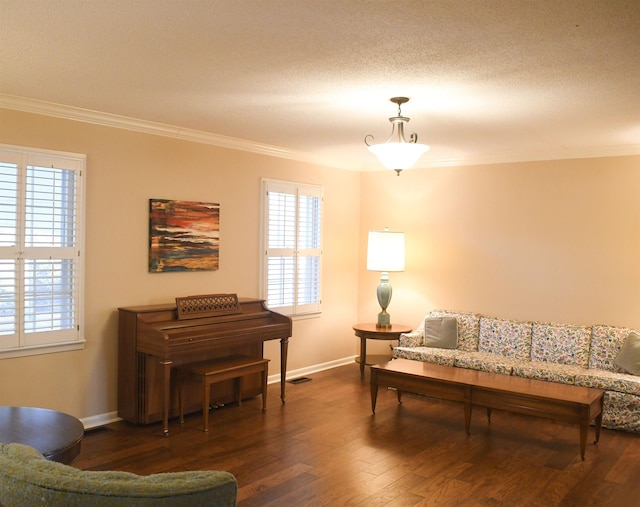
385,252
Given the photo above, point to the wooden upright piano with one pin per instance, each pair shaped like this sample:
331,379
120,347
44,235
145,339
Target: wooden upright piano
153,339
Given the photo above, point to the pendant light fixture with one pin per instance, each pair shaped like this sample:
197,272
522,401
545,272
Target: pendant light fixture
397,153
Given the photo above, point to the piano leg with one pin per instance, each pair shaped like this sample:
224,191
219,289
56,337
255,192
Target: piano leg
284,347
166,393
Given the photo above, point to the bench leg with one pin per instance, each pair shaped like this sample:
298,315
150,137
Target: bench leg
206,396
467,418
181,399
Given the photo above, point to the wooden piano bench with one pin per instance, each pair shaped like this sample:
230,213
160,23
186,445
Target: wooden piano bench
217,370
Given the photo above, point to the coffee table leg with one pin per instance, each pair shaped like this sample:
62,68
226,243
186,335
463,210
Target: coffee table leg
584,431
598,420
467,418
363,355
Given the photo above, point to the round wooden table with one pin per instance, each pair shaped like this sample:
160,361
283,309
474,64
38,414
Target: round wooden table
56,435
370,331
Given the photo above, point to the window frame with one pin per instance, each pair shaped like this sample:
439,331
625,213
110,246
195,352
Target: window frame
55,337
298,309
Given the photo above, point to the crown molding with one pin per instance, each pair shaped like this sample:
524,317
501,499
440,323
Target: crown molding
148,127
538,156
28,105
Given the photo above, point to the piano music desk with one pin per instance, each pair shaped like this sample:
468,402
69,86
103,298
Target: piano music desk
217,370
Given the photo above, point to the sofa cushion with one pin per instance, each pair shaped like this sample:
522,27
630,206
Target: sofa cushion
441,332
629,356
445,357
606,342
551,372
561,343
468,328
609,381
508,338
485,361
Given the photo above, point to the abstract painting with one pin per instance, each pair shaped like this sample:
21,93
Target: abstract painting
183,236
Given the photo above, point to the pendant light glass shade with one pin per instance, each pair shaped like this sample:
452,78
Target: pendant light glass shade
397,153
398,156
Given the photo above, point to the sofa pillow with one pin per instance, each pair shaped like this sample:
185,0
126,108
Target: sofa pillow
629,356
468,328
441,332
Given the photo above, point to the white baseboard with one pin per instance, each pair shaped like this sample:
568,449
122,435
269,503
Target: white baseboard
95,421
100,420
291,374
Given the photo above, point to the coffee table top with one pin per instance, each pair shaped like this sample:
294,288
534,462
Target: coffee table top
493,381
55,434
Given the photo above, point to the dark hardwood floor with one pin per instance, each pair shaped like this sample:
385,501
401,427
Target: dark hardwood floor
324,447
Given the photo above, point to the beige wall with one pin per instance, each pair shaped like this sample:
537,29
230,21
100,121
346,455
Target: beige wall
124,170
553,241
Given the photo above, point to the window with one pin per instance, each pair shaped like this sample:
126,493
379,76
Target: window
41,251
292,219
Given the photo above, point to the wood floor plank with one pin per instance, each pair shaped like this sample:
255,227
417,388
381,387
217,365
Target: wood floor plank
325,448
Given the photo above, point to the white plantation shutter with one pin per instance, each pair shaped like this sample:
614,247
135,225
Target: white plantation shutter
41,262
293,253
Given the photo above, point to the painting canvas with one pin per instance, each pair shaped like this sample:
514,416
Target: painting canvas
183,236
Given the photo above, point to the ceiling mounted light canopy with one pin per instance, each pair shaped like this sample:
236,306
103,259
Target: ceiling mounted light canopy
397,153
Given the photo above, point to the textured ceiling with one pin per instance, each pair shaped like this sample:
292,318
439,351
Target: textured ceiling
489,80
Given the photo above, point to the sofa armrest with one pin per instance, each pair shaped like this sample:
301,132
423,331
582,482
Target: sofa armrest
413,339
27,478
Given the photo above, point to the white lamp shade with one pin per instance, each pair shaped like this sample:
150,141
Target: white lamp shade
398,155
385,251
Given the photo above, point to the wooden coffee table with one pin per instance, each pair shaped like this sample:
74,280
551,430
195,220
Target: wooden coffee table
566,403
56,435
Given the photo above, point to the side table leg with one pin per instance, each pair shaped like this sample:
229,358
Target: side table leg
363,355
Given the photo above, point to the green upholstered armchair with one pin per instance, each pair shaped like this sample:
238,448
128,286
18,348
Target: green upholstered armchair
28,479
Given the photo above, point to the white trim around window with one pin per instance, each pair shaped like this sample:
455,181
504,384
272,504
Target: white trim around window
42,214
291,267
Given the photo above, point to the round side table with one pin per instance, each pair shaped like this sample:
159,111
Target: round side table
369,331
56,435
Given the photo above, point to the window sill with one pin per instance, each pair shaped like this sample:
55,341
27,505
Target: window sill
41,349
304,316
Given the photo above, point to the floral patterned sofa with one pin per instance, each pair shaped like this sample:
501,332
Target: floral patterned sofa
570,354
